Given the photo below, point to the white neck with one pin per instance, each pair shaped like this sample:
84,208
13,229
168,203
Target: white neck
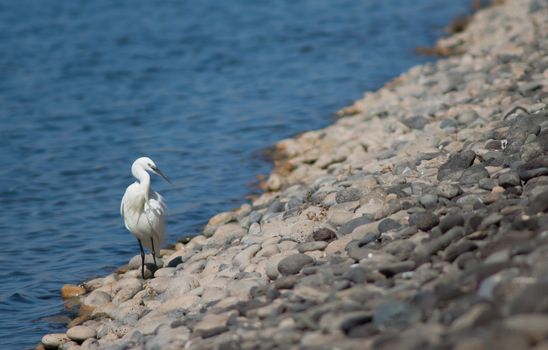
144,179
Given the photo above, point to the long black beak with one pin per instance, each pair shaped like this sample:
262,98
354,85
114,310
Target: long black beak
159,172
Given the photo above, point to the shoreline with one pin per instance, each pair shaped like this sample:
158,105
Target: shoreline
417,219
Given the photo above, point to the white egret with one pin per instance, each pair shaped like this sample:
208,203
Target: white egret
144,210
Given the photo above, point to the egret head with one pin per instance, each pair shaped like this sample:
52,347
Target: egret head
148,165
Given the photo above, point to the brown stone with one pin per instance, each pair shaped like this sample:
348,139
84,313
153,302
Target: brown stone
71,290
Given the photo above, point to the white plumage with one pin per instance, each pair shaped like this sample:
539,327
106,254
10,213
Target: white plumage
144,210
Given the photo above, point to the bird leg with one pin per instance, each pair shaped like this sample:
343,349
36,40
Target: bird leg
142,259
153,251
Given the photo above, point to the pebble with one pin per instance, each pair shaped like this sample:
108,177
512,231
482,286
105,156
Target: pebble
429,201
451,220
294,263
310,246
473,175
54,340
349,226
97,298
324,234
424,220
348,195
453,167
448,190
509,179
388,225
81,333
211,325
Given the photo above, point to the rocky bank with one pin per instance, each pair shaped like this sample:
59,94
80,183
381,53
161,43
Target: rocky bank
419,220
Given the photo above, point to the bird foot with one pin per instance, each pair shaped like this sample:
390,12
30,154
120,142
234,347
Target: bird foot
149,270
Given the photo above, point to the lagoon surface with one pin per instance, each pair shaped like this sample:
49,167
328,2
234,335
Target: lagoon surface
202,87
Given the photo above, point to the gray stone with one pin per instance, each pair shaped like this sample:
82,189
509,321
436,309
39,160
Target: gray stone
392,269
453,167
450,220
388,225
487,183
533,168
473,175
368,238
348,195
467,117
395,315
448,123
509,179
539,204
352,224
416,122
294,263
428,201
448,190
424,220
309,246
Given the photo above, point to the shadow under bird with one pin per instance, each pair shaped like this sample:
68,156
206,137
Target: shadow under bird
144,210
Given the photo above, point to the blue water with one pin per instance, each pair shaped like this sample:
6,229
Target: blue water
202,87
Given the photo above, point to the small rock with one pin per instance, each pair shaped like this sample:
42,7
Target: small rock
54,340
467,117
81,333
348,195
473,175
274,183
395,315
356,252
294,263
509,179
310,246
476,316
324,234
368,238
352,224
71,291
535,326
539,204
392,269
126,289
448,123
416,122
487,183
389,225
424,220
242,259
222,218
428,201
97,298
448,190
533,168
211,325
451,220
285,282
453,167
356,274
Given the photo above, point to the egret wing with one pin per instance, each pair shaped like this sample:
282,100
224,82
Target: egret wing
155,211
